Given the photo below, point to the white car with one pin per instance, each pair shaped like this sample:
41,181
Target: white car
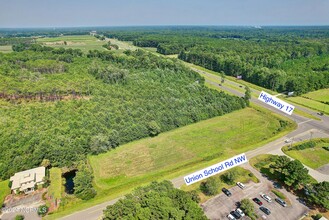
231,217
287,141
267,198
240,212
241,185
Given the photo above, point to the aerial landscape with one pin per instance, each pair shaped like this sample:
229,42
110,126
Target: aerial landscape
164,110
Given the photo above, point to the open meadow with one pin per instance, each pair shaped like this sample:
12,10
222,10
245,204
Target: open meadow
82,42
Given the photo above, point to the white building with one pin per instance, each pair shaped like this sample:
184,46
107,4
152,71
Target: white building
26,181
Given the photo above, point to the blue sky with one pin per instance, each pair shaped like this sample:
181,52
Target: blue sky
68,13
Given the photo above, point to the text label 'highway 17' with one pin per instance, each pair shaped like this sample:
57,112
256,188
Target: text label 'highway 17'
276,103
215,169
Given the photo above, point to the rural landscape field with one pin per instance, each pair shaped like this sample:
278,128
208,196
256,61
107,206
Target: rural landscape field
164,110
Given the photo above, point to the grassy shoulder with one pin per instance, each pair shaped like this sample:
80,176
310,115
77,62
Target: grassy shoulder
313,157
56,187
321,95
4,191
241,175
309,103
178,152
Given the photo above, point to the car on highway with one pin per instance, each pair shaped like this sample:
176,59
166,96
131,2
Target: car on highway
256,200
226,192
281,202
266,197
288,141
320,113
231,217
236,214
241,185
240,212
265,210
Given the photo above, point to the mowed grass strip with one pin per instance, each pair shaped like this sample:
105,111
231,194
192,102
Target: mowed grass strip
312,157
4,191
55,188
318,106
184,149
321,95
6,49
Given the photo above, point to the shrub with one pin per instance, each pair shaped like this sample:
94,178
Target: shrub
229,177
248,208
210,187
309,144
279,194
42,210
19,217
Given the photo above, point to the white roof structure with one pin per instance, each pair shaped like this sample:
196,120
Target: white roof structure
28,178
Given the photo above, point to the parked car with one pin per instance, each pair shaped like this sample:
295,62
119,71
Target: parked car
266,197
240,212
235,214
227,192
281,202
256,200
265,210
241,185
231,217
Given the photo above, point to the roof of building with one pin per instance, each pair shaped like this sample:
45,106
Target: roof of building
28,178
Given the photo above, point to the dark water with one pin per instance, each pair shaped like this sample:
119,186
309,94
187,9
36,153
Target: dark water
69,184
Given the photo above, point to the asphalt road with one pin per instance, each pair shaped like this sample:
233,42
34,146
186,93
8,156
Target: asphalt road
305,127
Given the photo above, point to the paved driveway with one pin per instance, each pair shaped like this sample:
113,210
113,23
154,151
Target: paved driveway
219,206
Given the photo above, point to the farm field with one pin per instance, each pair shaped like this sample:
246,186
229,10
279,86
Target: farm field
82,42
312,157
321,95
6,49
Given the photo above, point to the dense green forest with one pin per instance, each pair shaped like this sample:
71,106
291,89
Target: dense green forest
156,201
284,59
61,104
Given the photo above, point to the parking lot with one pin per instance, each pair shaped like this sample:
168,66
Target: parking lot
221,205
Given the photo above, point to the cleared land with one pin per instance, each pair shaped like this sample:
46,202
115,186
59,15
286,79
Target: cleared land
321,95
183,150
312,157
4,190
82,42
6,49
55,188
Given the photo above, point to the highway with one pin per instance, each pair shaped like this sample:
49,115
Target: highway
307,128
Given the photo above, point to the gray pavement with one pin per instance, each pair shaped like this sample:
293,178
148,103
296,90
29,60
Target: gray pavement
221,205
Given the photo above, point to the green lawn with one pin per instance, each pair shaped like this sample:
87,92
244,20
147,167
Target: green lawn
312,157
318,106
6,49
242,176
55,188
4,190
83,42
321,95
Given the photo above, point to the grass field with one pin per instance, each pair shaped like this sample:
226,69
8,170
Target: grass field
321,95
83,42
176,153
312,157
6,49
55,188
243,176
4,191
318,106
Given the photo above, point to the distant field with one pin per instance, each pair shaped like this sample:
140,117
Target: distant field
318,106
183,150
4,190
321,95
122,45
312,157
83,42
6,49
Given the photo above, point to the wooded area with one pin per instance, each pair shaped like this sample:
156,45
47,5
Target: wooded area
68,104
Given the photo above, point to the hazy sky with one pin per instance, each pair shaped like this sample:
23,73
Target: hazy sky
67,13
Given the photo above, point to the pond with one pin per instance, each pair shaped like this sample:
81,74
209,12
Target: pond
69,184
